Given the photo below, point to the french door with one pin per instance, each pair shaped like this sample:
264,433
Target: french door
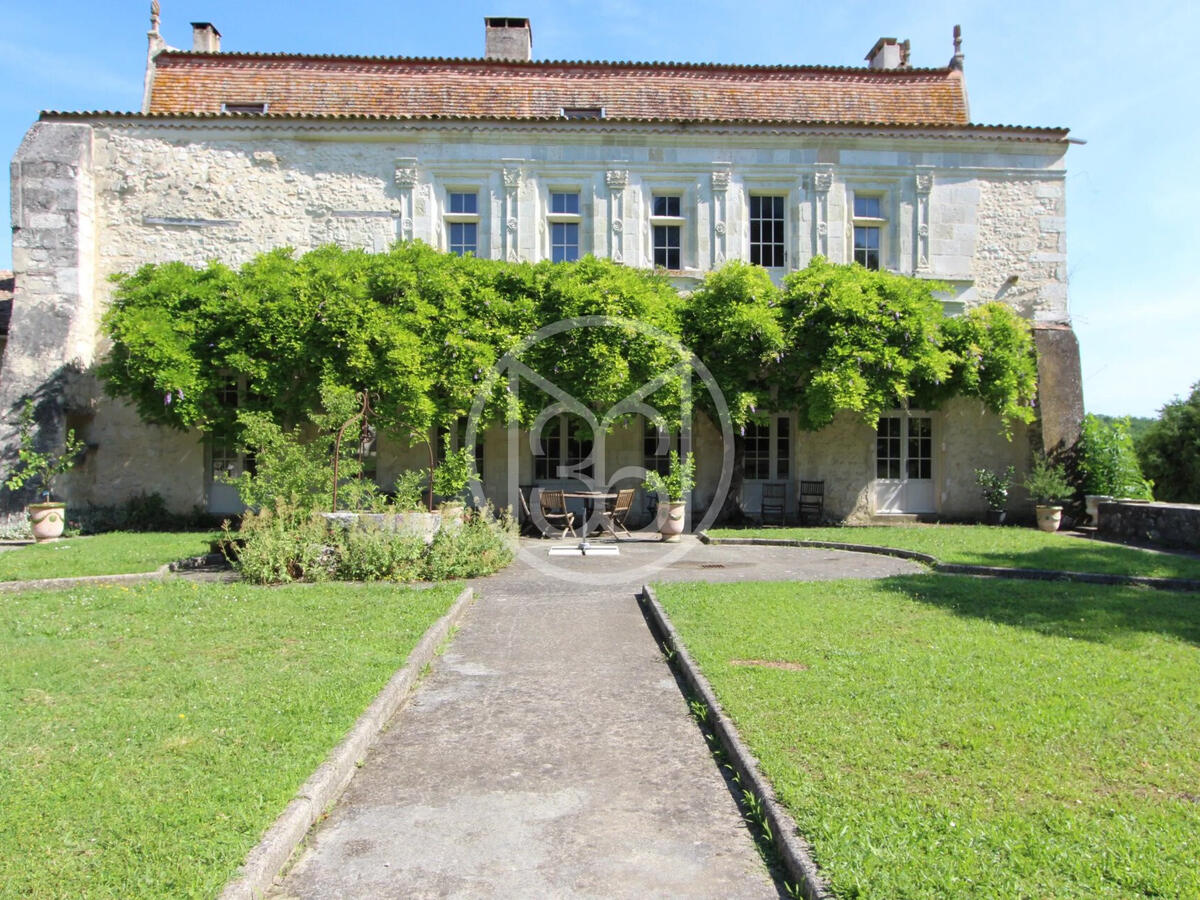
904,464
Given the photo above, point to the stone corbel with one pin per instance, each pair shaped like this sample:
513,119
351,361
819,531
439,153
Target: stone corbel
616,180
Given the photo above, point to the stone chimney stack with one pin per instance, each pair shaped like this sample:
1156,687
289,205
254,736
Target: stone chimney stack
205,38
507,39
888,53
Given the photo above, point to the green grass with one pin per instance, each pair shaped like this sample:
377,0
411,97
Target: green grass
981,545
942,736
152,732
115,553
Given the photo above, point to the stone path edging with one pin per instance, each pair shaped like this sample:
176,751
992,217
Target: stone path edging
181,565
1165,584
267,859
794,850
82,580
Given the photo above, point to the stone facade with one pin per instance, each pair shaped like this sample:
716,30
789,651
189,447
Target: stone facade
96,195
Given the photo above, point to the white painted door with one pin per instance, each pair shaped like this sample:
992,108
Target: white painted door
904,464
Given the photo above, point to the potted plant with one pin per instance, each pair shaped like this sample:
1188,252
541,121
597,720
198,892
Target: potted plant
994,488
46,518
1048,486
680,478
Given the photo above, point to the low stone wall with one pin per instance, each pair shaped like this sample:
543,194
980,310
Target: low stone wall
1166,524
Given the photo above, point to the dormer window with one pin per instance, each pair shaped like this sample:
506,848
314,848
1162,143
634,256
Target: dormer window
583,112
248,109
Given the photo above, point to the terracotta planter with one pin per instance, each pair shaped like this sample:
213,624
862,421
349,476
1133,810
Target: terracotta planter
670,524
1049,517
48,520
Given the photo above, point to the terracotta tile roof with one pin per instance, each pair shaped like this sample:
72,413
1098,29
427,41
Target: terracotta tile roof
401,87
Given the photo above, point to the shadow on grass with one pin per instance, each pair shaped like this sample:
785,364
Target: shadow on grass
1087,612
1105,559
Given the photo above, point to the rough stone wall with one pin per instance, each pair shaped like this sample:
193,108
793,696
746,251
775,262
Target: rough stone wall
1165,524
166,192
50,332
1021,252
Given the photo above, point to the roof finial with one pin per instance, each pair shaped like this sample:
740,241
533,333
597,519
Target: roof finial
154,10
957,61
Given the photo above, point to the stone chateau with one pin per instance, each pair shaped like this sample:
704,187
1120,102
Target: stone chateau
680,166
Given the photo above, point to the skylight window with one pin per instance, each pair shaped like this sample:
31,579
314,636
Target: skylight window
583,112
245,108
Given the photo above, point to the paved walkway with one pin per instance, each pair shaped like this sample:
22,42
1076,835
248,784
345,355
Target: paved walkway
550,753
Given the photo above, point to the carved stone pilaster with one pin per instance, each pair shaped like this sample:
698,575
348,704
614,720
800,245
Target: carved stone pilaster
720,211
822,181
510,236
617,180
406,182
923,182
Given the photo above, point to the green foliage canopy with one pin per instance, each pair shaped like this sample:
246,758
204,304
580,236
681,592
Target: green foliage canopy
420,329
1170,450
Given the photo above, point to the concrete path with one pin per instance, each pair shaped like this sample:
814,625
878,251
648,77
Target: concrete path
550,752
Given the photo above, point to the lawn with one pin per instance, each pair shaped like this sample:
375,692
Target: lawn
115,553
981,545
942,736
152,732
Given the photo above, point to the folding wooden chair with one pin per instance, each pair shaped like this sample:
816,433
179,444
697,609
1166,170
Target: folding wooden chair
812,500
774,502
612,519
555,512
527,524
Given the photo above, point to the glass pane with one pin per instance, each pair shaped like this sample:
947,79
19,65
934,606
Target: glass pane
462,238
466,203
665,205
564,203
867,207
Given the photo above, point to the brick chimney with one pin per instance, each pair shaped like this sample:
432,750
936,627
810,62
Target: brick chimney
888,53
507,39
205,38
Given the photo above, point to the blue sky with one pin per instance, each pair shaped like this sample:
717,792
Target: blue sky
1122,77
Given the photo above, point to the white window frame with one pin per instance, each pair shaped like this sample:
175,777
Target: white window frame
462,218
564,218
678,222
881,222
782,196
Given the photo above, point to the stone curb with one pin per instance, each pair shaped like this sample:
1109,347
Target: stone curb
1163,584
794,851
267,859
82,580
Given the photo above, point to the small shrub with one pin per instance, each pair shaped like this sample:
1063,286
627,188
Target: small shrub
15,527
1108,463
280,545
480,546
1047,482
409,491
366,552
994,487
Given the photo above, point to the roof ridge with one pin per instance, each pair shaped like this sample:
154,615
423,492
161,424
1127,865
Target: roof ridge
171,53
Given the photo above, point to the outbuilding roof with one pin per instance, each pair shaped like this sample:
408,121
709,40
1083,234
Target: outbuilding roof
188,82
